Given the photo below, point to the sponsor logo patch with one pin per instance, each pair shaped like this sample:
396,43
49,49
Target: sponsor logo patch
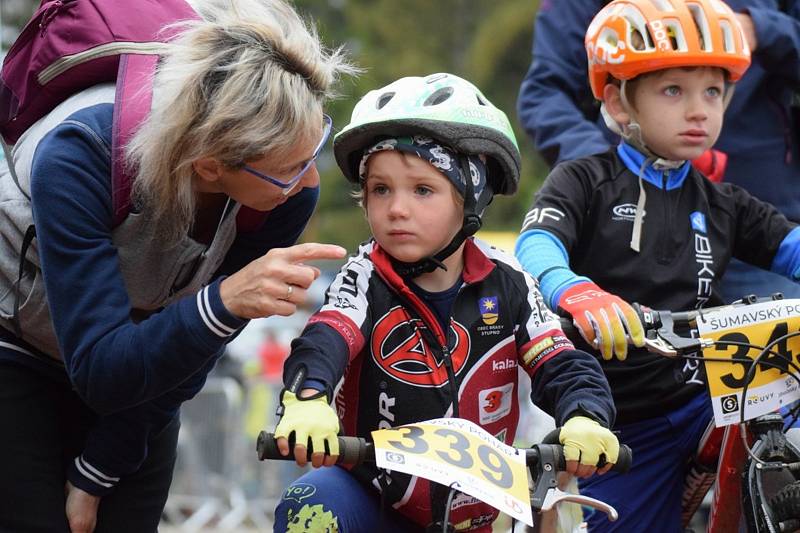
545,347
299,492
729,404
495,403
399,348
698,220
623,212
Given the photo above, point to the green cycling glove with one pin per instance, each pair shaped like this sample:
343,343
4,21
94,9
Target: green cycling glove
585,440
308,418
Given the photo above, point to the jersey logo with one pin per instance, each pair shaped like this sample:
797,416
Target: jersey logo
538,215
624,212
398,347
488,308
495,403
698,221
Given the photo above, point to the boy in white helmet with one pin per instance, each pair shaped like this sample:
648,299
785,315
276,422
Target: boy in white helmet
638,224
425,321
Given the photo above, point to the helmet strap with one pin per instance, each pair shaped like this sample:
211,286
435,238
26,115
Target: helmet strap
469,226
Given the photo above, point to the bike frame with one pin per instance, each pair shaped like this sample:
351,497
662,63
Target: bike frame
726,507
722,454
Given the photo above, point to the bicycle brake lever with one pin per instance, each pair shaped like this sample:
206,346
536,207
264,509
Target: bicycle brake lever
676,345
555,496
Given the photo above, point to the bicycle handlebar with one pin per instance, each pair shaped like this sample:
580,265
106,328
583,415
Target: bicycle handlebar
354,451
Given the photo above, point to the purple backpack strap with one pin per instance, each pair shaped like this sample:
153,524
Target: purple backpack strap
131,105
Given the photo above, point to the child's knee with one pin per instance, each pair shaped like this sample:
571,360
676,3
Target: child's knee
316,502
296,515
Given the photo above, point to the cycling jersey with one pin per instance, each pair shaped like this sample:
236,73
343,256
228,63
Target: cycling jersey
759,134
387,343
692,228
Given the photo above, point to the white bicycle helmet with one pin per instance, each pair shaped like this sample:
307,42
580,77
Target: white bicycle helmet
442,106
455,113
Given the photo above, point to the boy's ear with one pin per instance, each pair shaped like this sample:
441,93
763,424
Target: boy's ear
208,168
612,99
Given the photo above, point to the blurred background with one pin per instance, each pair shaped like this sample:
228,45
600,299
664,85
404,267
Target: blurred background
485,41
218,484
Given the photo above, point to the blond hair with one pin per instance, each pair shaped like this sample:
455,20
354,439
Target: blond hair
247,80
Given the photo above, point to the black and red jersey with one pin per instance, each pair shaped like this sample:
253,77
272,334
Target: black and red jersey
386,343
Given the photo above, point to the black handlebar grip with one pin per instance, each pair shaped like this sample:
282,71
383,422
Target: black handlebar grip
624,459
352,450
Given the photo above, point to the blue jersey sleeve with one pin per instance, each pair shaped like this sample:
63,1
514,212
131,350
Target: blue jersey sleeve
543,256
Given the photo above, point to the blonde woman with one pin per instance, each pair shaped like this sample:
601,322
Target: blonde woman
105,329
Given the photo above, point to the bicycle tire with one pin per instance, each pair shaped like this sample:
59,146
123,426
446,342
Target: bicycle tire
786,503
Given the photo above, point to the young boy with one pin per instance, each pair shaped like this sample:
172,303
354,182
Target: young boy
639,224
425,321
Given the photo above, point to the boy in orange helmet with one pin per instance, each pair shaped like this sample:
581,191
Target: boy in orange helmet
637,223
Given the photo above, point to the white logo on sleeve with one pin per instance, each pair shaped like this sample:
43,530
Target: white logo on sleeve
494,404
538,215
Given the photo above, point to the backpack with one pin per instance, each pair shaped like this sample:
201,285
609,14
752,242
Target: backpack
71,45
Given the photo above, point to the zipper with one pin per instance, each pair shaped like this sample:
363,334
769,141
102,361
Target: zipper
441,340
48,15
451,377
104,50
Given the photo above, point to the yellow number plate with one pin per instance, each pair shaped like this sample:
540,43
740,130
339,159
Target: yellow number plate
771,385
448,450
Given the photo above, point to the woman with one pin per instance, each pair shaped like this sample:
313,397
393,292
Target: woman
105,329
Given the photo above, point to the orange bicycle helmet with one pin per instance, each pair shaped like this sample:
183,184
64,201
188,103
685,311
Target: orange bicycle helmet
630,37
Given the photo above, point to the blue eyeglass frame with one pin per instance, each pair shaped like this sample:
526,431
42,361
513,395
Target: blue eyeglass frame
287,186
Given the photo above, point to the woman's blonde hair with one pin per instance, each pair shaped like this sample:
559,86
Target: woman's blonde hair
247,80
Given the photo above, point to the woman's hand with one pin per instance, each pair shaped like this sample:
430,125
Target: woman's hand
275,283
81,509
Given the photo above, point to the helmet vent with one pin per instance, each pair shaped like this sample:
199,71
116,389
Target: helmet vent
663,5
727,37
699,17
439,96
384,99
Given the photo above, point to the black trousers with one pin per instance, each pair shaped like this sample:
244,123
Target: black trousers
43,426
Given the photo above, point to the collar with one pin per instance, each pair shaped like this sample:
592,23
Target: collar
633,160
477,265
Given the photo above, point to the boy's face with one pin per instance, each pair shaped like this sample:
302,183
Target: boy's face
680,111
411,206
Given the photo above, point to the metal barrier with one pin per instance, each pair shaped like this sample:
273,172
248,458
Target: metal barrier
218,483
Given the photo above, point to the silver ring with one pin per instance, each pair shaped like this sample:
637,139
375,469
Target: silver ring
289,290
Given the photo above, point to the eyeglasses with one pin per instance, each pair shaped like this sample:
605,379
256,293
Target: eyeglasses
287,186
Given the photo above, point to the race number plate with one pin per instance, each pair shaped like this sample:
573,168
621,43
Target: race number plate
452,450
771,386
